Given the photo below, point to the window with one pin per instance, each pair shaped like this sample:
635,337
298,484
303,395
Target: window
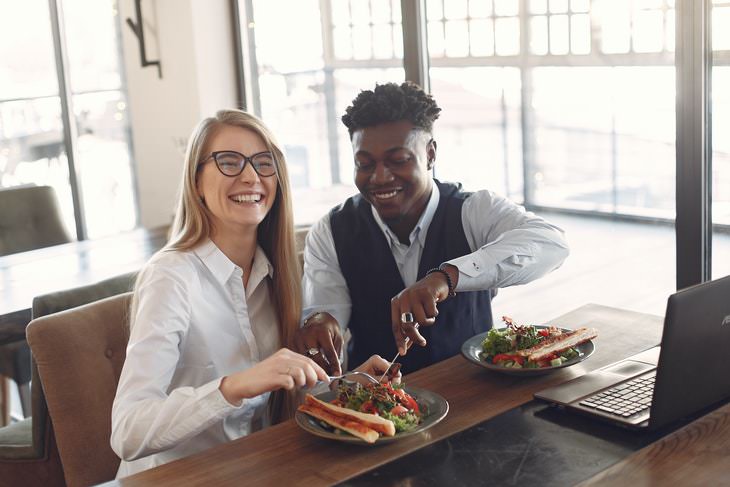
604,139
566,106
32,143
304,86
478,131
100,110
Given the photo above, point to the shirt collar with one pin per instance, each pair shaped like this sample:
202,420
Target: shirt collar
262,268
421,229
222,267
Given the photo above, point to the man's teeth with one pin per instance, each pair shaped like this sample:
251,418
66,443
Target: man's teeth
248,198
385,196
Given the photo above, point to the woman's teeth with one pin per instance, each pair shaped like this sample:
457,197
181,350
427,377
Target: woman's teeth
246,198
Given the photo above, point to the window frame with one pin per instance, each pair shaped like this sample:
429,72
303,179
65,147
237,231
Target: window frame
692,59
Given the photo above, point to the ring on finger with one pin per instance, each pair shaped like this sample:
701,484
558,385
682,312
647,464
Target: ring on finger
406,317
311,352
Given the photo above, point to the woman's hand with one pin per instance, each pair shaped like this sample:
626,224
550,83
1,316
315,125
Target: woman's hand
282,370
376,366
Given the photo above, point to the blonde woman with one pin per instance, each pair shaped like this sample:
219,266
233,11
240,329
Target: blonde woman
213,310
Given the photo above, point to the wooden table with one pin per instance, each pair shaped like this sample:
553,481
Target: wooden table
286,455
26,275
697,454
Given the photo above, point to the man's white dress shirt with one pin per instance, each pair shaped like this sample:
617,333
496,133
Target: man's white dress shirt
194,324
509,246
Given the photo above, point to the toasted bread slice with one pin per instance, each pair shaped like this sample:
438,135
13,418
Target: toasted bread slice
372,421
355,428
558,344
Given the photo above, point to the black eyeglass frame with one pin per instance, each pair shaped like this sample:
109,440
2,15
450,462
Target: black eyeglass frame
246,160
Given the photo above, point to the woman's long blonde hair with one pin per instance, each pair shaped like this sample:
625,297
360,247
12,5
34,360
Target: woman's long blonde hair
192,225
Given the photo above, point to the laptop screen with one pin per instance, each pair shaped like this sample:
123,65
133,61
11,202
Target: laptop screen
693,370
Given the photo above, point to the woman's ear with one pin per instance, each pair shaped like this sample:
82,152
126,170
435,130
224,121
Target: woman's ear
199,194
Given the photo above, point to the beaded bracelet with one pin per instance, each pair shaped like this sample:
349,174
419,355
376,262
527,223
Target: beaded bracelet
449,283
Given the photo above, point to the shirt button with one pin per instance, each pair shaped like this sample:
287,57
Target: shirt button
476,266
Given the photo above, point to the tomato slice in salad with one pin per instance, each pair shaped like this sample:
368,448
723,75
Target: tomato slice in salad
503,357
398,410
405,399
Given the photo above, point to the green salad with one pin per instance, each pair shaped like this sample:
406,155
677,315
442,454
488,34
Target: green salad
385,399
514,347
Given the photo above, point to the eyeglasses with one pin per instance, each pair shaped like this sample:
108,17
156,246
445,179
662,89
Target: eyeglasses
231,163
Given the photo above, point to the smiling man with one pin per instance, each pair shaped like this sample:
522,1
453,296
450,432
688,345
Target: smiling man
410,250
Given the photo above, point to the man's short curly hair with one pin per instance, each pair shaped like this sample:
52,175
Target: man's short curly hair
391,102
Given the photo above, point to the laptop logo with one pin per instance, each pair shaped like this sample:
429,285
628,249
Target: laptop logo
726,321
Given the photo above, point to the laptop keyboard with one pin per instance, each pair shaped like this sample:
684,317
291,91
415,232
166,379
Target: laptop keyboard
626,399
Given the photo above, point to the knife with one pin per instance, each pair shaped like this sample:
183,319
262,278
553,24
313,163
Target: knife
396,357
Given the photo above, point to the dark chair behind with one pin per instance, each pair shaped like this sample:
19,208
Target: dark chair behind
71,298
30,219
28,450
300,237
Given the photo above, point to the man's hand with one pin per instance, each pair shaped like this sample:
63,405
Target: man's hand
377,366
419,299
321,332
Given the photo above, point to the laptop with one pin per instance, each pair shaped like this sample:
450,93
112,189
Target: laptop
688,372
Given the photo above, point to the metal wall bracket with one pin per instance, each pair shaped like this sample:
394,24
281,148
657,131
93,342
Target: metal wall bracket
138,29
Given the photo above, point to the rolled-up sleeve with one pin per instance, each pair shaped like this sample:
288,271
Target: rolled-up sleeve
509,245
323,286
147,417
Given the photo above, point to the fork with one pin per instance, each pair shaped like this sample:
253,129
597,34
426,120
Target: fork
354,372
407,343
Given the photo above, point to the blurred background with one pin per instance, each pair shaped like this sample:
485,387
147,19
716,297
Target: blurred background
564,106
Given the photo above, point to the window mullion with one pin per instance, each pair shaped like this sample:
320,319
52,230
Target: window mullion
67,113
693,189
526,112
415,42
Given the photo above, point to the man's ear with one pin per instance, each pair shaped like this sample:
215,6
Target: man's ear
431,154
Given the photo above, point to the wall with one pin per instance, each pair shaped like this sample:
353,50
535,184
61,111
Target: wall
193,40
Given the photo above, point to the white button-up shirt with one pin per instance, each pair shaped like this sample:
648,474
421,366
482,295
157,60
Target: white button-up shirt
508,246
194,324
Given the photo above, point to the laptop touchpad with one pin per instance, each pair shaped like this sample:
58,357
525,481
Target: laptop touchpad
628,368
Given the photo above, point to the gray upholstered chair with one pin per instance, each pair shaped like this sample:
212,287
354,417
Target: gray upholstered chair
71,298
300,237
30,219
28,451
80,353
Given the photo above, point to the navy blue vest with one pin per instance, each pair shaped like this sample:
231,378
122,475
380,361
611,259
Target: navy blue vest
372,277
